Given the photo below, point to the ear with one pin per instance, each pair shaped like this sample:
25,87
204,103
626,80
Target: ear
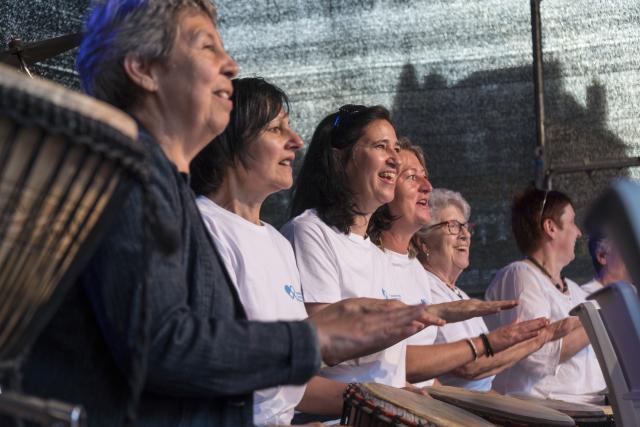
140,72
549,227
601,257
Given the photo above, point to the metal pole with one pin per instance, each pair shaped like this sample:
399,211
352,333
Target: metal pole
542,179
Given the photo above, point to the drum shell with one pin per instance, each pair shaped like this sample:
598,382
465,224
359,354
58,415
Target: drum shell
66,164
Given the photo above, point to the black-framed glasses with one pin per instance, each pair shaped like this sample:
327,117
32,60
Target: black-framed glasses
544,205
455,227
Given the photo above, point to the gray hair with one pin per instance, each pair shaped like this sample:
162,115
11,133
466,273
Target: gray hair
116,28
440,199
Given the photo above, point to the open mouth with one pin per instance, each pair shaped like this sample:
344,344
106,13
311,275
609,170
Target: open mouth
224,94
388,176
286,162
423,202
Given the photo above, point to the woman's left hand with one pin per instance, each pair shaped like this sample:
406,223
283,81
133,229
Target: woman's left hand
458,311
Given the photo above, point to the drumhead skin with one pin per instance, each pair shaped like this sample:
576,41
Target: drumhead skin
574,410
59,96
501,408
435,412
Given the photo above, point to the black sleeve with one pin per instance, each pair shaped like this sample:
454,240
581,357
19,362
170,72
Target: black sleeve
198,344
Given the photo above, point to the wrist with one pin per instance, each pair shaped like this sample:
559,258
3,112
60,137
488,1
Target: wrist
487,345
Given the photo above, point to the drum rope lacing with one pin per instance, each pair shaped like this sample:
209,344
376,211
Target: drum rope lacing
39,112
357,399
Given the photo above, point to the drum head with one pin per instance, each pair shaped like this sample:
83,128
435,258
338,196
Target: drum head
497,407
436,412
577,411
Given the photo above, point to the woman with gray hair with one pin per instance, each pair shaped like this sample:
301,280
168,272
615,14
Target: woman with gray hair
471,357
442,247
180,348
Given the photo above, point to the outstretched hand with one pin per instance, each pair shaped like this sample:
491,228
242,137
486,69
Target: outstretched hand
559,329
360,326
508,335
458,311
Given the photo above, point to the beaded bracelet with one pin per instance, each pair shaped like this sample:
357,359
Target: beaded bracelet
487,345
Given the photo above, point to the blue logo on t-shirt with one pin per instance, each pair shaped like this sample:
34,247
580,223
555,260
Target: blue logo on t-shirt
291,291
389,296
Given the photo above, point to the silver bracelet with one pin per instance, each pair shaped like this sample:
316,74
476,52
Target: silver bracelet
474,349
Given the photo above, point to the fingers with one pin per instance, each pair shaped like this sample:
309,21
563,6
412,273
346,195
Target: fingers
506,304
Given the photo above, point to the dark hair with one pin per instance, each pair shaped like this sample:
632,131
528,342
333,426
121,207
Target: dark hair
146,28
256,102
322,183
382,219
527,215
597,243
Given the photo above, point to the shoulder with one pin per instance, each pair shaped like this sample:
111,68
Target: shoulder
515,277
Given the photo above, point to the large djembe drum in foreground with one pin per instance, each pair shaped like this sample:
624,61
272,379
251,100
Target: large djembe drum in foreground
66,162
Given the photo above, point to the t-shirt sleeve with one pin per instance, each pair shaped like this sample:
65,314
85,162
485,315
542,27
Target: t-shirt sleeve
316,261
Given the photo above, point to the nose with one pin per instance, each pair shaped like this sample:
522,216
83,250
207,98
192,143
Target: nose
295,142
394,157
425,185
230,68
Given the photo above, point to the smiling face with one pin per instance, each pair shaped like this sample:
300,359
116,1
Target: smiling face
194,81
449,252
373,167
410,204
268,166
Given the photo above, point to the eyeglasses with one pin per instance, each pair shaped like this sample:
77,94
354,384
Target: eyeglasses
455,227
544,205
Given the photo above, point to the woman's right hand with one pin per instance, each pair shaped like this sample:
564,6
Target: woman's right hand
508,335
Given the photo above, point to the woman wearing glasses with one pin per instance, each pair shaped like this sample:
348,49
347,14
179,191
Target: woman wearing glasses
462,352
350,170
543,224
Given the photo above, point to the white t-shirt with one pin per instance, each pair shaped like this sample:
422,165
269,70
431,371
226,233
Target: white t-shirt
541,374
452,332
262,267
592,286
412,278
334,266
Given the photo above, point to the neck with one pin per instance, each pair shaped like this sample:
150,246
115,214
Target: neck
235,196
360,224
397,238
448,274
606,277
179,141
546,259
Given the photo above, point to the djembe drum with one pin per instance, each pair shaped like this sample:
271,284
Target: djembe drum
499,409
584,415
66,162
378,405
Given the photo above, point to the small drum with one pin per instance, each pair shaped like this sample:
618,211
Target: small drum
582,414
378,405
499,409
65,161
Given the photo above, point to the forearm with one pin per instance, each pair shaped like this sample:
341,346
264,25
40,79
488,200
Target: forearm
487,366
425,362
572,343
216,357
322,397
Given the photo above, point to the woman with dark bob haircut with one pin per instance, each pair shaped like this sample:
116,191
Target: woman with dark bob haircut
232,176
543,224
